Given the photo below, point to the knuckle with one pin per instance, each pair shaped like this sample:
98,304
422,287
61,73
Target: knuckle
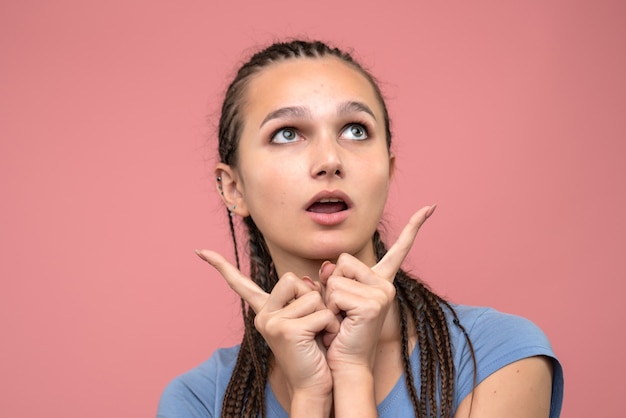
375,303
389,289
288,279
269,329
260,322
343,258
328,316
315,297
331,284
380,299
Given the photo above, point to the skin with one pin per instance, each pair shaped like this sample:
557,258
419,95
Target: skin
331,321
295,312
274,182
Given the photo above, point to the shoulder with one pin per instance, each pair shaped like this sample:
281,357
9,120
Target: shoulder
199,392
498,340
490,330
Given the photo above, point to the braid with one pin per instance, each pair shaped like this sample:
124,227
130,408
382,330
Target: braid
437,372
233,236
418,306
406,355
245,394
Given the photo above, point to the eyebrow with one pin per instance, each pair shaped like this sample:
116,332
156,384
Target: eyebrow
288,112
304,113
354,107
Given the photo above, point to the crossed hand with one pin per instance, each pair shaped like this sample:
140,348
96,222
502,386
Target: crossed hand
317,328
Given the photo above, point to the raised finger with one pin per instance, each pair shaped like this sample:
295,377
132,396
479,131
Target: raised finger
242,285
391,262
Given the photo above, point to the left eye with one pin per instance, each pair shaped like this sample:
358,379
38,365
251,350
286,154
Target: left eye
284,136
355,131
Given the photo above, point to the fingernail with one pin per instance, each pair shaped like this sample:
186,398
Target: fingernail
308,281
431,210
324,264
199,254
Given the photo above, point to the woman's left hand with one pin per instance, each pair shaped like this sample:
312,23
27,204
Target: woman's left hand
363,297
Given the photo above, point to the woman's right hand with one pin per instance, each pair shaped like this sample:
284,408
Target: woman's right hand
290,319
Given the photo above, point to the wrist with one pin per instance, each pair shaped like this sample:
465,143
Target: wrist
307,404
353,392
359,375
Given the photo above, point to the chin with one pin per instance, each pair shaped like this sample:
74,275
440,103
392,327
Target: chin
331,250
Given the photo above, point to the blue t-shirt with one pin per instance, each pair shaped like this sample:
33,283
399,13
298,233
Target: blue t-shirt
499,339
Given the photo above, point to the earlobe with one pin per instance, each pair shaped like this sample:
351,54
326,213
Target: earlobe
392,165
230,188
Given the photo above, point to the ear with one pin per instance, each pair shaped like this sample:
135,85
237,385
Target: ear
392,165
230,188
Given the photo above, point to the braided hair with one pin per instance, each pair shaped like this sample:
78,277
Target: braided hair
419,307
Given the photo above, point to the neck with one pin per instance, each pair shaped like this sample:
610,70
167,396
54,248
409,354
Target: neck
309,267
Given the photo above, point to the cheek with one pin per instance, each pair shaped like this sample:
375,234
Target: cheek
379,172
268,191
379,181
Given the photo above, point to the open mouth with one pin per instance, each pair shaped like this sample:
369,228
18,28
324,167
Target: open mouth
330,205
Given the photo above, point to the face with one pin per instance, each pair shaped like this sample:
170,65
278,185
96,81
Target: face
313,168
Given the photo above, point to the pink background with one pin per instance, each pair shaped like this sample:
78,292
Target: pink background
509,115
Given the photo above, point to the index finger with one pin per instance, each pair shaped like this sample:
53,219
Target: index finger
391,262
242,285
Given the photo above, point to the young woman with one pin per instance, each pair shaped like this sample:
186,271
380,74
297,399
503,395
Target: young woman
333,326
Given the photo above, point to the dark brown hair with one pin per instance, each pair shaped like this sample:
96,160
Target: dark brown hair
418,306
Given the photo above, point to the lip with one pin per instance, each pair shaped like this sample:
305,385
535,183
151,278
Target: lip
329,194
329,219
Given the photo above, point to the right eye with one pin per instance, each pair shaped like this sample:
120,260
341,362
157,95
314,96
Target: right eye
285,136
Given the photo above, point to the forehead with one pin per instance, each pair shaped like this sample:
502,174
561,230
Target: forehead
309,82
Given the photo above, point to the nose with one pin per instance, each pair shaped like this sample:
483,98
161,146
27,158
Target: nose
327,161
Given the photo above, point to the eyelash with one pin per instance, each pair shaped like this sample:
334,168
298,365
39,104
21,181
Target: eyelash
363,126
282,129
